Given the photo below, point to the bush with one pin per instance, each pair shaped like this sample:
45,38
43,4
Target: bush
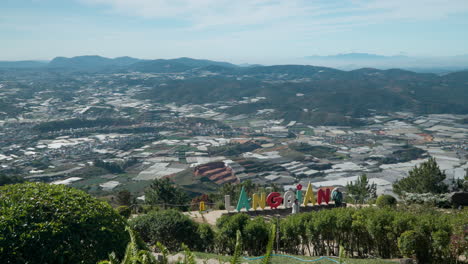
170,227
439,200
413,244
124,211
220,206
228,226
386,200
207,238
256,233
42,223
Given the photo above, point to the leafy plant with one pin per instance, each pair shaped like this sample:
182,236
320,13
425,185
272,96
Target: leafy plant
136,252
162,192
189,257
164,252
427,178
43,223
238,249
269,249
361,190
386,200
170,227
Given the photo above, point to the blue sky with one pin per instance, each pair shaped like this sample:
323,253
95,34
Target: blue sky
253,31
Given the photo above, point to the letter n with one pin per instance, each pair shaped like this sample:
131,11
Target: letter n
258,201
323,196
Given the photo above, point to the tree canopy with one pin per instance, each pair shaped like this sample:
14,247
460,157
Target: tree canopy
43,223
427,178
360,191
163,192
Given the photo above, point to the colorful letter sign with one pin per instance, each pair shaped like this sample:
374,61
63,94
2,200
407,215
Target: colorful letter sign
274,200
323,196
309,195
289,198
258,201
243,201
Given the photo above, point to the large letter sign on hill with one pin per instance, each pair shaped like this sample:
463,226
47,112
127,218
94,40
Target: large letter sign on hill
258,201
323,196
243,201
309,196
274,199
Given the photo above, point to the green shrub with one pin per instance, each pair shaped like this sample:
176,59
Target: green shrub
207,238
413,244
124,211
170,227
227,229
386,200
220,206
42,223
256,234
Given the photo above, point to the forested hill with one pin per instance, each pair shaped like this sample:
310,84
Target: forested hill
311,94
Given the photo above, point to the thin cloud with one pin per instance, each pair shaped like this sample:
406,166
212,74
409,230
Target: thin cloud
203,14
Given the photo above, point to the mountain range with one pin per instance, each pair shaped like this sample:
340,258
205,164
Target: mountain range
309,94
347,61
351,61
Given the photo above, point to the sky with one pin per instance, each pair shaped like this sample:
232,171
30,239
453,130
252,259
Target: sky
239,31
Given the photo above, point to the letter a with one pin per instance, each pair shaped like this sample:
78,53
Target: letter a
258,201
309,195
243,201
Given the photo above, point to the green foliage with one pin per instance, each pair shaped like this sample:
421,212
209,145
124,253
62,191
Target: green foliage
227,229
170,227
361,190
237,249
386,200
114,167
427,178
124,211
43,223
124,197
320,152
10,179
269,248
207,238
189,258
430,199
136,252
341,255
413,244
164,252
405,154
256,233
374,231
163,192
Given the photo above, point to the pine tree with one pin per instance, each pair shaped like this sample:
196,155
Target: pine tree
361,190
427,178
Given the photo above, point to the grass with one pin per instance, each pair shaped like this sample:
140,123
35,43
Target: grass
284,260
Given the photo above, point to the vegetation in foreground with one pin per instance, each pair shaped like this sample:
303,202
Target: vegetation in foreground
43,223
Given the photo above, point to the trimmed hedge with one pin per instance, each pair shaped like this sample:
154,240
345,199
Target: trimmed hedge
42,223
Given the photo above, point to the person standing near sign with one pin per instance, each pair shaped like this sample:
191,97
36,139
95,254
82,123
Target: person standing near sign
295,207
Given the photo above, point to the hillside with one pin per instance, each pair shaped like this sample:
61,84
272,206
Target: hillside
308,93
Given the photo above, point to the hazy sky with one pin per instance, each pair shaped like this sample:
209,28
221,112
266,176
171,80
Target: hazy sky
254,31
